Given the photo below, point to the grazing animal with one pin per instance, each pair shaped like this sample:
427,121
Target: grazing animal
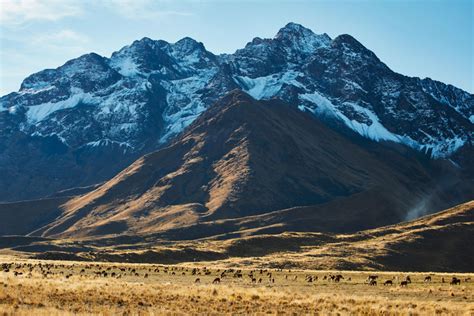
373,283
198,280
372,278
216,281
428,278
455,281
388,282
404,283
338,277
408,279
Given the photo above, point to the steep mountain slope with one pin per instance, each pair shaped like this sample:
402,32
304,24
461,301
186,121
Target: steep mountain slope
244,159
85,121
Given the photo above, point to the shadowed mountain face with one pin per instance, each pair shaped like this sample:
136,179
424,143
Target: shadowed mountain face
248,164
83,122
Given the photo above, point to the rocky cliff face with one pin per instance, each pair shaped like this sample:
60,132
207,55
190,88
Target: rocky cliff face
86,120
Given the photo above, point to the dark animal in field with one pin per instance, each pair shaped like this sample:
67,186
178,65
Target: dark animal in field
216,281
388,282
404,283
337,278
455,281
198,280
372,278
408,279
428,278
373,283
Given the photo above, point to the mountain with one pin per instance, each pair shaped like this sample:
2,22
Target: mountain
83,122
256,165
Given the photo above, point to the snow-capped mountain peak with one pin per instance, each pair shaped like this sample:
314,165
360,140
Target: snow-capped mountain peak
149,91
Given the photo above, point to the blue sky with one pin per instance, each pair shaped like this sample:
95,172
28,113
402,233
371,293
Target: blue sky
430,38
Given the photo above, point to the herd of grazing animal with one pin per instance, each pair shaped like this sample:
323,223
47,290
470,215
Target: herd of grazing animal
255,276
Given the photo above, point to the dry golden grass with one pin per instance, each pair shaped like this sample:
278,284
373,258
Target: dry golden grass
172,290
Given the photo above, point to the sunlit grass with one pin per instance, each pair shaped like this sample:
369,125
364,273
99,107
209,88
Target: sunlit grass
66,290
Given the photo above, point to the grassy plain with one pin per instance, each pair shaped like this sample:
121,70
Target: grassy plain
63,287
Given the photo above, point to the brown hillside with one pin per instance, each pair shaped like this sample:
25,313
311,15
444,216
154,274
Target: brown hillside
256,164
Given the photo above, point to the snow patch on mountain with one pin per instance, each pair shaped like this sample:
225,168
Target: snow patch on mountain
438,148
125,66
107,142
39,112
268,86
445,147
36,90
184,101
375,131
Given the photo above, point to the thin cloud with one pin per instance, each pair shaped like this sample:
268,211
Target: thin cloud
64,40
19,12
61,37
142,9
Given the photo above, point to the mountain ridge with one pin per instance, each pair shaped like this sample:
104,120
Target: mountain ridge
141,97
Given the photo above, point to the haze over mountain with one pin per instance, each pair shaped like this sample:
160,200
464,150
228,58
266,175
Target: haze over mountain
83,122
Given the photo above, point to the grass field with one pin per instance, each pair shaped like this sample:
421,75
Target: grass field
61,288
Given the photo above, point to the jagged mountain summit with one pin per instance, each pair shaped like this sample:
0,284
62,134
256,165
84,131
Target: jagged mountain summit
83,122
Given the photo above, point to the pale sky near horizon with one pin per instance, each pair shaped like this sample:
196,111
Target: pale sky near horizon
423,38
